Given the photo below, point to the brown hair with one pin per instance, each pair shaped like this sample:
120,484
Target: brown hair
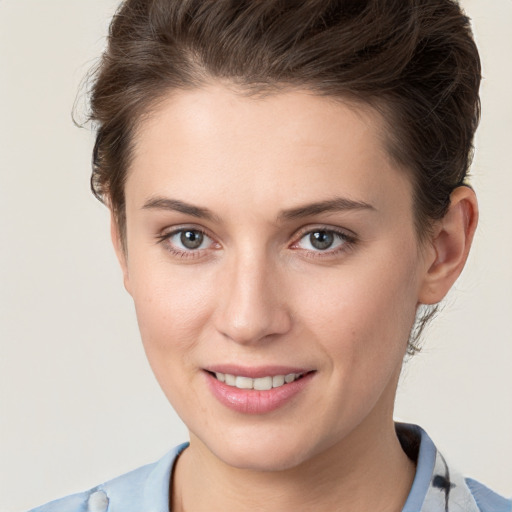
413,60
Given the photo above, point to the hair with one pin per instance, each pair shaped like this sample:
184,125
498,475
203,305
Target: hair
414,61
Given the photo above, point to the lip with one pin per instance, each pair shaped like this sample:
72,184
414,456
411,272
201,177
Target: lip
251,401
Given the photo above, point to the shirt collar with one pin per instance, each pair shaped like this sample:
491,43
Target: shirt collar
436,486
156,486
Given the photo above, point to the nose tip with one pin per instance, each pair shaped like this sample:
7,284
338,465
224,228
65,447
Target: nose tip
253,307
246,327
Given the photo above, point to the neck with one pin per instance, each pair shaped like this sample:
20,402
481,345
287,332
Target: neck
367,470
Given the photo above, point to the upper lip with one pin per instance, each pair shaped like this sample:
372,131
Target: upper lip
256,372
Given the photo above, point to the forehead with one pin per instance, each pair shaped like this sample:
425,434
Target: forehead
284,147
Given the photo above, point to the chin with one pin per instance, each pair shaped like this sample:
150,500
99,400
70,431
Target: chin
263,461
263,451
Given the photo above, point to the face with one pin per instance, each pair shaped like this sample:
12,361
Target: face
271,245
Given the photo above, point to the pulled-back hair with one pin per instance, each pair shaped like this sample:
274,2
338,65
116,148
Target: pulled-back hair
414,61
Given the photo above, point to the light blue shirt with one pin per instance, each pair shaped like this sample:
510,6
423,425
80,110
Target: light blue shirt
436,487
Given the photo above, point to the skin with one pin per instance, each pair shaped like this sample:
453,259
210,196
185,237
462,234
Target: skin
258,293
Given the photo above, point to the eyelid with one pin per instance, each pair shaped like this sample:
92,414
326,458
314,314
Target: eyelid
172,230
343,232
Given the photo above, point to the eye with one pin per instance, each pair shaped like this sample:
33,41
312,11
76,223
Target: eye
186,241
322,240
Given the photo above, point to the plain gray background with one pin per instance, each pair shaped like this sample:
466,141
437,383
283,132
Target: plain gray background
79,404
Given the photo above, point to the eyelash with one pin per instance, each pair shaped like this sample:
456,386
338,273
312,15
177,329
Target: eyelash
348,241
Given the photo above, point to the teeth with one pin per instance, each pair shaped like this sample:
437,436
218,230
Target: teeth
263,383
260,384
244,382
277,381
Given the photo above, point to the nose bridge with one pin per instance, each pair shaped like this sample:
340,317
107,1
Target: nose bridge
253,306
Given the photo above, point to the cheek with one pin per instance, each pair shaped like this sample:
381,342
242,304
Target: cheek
362,315
172,306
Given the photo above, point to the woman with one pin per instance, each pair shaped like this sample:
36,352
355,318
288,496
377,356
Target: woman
288,199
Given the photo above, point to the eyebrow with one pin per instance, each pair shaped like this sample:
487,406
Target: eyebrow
164,203
331,205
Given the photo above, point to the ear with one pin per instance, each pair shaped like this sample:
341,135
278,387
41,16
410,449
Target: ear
120,250
450,245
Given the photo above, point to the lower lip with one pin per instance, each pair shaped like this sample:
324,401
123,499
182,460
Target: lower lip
251,401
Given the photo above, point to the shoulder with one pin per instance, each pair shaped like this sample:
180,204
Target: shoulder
437,485
486,499
145,488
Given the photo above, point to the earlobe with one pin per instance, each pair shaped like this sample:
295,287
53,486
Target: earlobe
451,245
119,249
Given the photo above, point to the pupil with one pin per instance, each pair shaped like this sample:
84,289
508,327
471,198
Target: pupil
321,239
191,239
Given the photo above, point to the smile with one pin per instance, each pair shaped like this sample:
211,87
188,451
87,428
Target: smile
260,383
257,390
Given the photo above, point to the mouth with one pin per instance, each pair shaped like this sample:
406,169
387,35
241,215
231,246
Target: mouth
257,390
260,383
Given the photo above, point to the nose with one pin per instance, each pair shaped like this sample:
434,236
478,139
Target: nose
252,305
